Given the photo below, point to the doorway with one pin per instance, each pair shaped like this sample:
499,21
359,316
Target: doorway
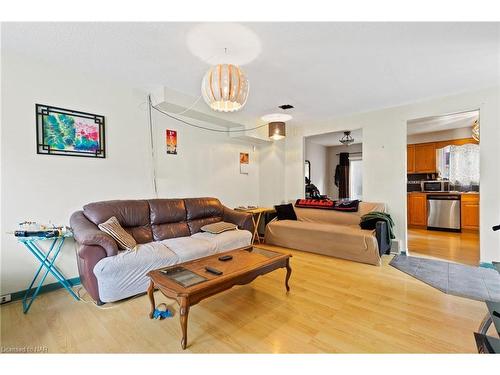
334,169
443,187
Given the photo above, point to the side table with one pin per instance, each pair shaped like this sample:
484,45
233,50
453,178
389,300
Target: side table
256,217
47,262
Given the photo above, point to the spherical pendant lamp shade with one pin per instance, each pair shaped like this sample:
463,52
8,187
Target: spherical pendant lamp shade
225,88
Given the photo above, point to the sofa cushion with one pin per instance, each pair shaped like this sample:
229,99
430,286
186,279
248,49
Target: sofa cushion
124,275
133,216
199,208
218,227
168,218
115,230
226,241
285,212
189,248
202,211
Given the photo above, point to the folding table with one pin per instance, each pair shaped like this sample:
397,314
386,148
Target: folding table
46,261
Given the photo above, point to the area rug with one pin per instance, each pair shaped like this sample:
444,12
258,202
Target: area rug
477,283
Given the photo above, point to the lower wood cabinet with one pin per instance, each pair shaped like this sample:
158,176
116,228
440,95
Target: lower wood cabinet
417,209
470,211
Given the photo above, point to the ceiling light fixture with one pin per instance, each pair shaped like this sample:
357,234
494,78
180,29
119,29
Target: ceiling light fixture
277,130
277,126
225,88
346,140
475,130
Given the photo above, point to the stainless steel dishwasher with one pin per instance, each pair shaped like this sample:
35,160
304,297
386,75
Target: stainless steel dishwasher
443,212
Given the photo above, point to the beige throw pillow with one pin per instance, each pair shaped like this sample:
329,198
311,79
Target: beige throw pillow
218,227
115,230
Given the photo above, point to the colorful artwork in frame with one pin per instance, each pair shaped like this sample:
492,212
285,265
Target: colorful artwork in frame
71,133
171,139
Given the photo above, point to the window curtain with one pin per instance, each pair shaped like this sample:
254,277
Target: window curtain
464,165
342,175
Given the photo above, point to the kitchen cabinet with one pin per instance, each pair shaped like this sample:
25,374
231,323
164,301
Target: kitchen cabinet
410,159
417,209
469,214
421,157
425,158
455,142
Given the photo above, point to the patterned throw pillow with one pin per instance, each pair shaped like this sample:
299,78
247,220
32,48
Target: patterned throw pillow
218,227
115,230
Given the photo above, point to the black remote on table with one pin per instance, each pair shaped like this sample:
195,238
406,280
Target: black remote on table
225,258
213,270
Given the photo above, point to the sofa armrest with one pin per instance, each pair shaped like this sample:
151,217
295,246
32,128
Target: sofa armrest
382,235
242,219
87,233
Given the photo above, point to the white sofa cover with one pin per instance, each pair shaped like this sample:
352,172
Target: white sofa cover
125,274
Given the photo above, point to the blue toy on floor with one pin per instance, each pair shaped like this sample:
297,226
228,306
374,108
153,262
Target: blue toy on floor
162,314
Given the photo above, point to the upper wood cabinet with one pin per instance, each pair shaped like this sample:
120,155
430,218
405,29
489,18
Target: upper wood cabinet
425,158
455,142
410,159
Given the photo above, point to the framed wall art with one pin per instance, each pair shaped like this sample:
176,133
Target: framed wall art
244,162
66,132
171,140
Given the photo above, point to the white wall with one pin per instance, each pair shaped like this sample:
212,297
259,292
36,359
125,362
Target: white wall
206,164
49,188
316,154
384,157
443,135
331,164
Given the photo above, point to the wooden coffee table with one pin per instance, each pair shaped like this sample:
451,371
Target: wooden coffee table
247,263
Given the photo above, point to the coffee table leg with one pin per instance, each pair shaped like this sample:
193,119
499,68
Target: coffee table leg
184,311
151,295
288,274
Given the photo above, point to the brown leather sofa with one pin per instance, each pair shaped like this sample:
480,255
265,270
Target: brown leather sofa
154,223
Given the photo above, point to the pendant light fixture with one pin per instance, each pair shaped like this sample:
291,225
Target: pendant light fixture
277,130
225,88
277,126
346,140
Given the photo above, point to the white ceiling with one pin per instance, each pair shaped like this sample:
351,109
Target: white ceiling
323,69
440,123
332,139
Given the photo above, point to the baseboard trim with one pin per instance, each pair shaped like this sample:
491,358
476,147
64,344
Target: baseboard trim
44,289
487,265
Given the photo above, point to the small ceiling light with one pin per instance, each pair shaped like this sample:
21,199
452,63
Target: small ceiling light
475,130
277,130
225,88
346,140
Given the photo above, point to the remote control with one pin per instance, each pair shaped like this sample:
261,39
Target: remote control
225,258
213,270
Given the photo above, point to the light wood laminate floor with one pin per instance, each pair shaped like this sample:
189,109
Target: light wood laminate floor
456,247
334,306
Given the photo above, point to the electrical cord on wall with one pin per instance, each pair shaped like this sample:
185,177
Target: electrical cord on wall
199,126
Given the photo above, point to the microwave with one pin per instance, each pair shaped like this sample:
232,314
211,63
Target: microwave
435,186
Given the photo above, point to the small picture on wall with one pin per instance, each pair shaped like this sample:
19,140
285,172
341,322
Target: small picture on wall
244,162
171,138
66,132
